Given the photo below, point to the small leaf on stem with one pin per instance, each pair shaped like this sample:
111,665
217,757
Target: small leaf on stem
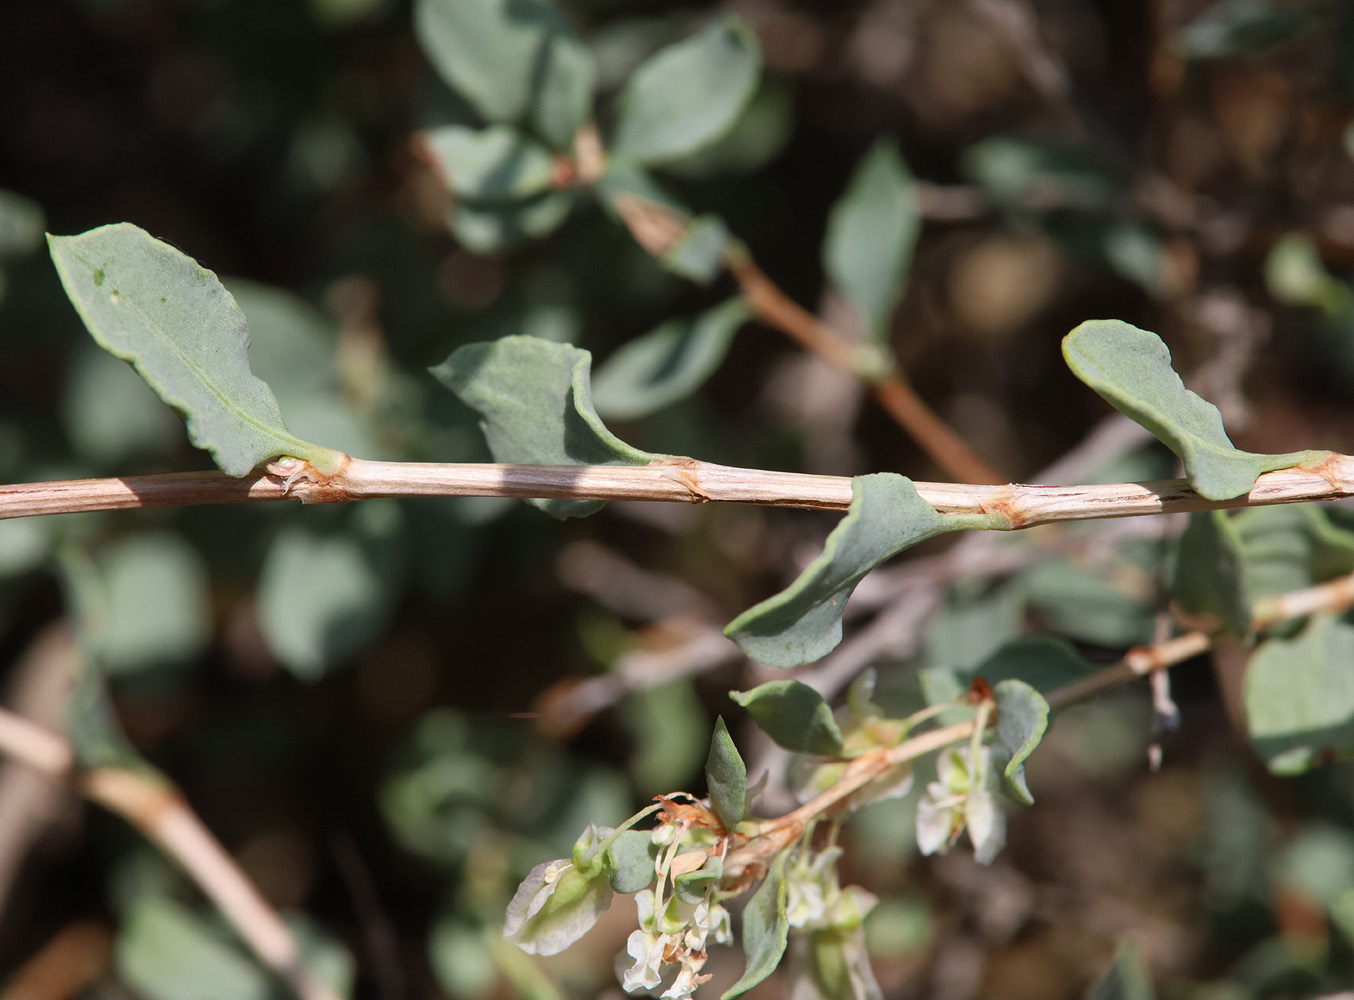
727,777
794,715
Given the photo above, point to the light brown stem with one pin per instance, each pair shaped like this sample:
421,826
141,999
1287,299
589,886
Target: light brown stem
159,811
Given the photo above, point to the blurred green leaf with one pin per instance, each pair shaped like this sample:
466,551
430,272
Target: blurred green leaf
688,95
24,544
766,931
1318,863
516,61
152,306
1209,576
1044,662
755,139
669,726
727,777
699,255
1109,603
804,622
460,956
110,414
1240,27
535,400
794,715
164,951
21,225
1034,173
1291,547
1299,696
497,227
973,624
1127,978
1022,718
1296,276
494,164
1131,369
667,364
871,235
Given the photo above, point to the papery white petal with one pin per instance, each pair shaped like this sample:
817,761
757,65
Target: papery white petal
721,925
986,825
647,951
935,822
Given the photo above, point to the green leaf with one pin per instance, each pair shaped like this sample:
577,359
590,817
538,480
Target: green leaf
1299,696
534,399
497,227
688,95
699,255
1127,978
21,225
727,777
165,951
154,307
1022,718
516,61
757,138
1012,169
766,931
694,886
804,622
1291,547
1296,276
1239,27
1209,577
555,905
794,715
630,858
1131,368
498,163
97,385
321,598
1109,601
871,235
1044,662
667,364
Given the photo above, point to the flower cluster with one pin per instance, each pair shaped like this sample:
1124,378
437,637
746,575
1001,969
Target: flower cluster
829,960
964,796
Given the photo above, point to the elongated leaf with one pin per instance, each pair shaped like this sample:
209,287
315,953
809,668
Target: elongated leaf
1299,696
534,398
1131,368
516,61
727,777
668,364
794,715
804,622
165,951
766,931
156,308
630,860
870,237
1209,576
498,163
1022,718
689,94
1127,978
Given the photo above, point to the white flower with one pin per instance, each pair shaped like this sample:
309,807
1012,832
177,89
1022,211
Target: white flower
962,798
804,902
646,948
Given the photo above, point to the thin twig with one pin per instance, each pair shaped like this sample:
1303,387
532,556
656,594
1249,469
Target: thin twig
159,811
1011,506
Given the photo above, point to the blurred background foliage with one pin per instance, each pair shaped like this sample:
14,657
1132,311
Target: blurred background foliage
389,712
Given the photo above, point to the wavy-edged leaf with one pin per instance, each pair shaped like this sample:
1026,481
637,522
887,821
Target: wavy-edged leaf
497,163
667,364
534,398
870,237
1210,572
1022,718
1131,369
516,61
804,622
155,307
794,715
727,777
766,931
1299,696
688,95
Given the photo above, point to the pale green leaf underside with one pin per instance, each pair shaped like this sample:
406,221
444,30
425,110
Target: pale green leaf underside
689,94
1210,571
1131,369
804,622
870,237
1299,696
1022,718
727,777
534,398
794,715
667,364
766,931
155,307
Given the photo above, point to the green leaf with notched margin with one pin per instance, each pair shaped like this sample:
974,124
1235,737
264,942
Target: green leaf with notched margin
1210,571
497,163
1131,369
688,95
1299,696
515,61
534,398
727,777
667,364
804,622
156,308
630,860
794,715
766,931
1022,718
870,236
